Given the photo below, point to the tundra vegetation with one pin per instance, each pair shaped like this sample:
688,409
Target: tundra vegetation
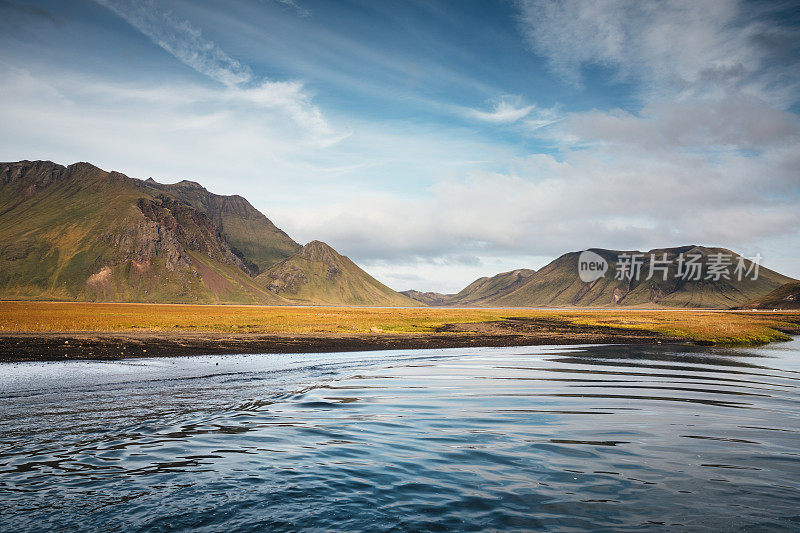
701,326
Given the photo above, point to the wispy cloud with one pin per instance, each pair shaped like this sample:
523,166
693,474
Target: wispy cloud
504,112
511,110
295,102
187,44
181,39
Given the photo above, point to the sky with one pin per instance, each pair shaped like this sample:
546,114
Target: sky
433,142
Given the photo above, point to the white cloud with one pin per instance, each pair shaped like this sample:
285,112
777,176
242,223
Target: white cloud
291,98
675,47
237,140
614,194
511,110
504,112
734,122
302,11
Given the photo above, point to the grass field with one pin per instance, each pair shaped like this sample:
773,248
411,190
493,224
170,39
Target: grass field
717,327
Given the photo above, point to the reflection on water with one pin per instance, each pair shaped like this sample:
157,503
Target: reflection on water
603,437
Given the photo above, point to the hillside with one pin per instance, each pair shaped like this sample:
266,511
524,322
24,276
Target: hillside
81,233
484,290
558,284
317,274
784,297
431,299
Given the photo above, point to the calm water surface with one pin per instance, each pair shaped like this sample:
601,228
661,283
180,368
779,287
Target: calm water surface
563,439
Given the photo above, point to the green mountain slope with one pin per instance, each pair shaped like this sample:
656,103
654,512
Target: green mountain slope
558,284
79,232
317,274
784,297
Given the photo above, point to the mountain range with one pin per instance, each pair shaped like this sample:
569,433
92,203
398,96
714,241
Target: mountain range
81,233
558,283
480,292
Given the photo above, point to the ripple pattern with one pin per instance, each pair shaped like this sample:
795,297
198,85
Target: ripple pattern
614,438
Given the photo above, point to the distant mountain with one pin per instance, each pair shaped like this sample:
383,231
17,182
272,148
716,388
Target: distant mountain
81,233
431,299
480,292
784,297
487,289
317,274
558,284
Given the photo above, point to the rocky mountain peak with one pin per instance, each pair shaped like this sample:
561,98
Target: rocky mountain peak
319,251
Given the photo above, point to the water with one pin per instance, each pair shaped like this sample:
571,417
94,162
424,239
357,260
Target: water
568,438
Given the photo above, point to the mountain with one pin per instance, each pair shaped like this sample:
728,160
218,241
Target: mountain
487,289
559,285
480,292
249,233
431,299
81,233
784,297
317,274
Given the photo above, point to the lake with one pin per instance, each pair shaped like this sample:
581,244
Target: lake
676,438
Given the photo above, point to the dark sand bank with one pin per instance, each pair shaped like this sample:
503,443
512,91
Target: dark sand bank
27,346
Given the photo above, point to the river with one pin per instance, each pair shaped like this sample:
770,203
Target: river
677,438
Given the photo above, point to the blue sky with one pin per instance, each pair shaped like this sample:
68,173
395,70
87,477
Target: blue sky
433,142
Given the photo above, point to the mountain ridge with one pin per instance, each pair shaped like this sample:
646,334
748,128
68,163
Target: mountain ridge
242,225
479,291
78,232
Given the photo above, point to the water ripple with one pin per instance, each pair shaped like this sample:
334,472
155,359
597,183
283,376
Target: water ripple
555,438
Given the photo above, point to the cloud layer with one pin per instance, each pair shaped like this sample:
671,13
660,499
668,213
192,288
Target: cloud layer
679,47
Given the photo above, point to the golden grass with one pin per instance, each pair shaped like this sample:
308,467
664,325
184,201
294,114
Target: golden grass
717,327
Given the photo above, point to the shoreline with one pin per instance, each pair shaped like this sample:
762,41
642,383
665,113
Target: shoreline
36,331
26,347
93,345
